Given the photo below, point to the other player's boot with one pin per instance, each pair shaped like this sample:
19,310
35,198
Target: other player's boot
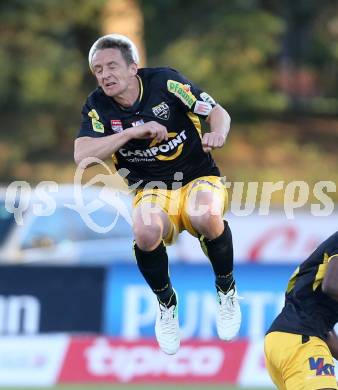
167,328
229,314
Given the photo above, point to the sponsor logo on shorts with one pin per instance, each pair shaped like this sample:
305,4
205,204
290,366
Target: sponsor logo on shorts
321,368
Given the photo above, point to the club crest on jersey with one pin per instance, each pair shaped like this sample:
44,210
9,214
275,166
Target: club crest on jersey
162,111
116,125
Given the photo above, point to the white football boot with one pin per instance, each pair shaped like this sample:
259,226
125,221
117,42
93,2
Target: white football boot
229,314
167,328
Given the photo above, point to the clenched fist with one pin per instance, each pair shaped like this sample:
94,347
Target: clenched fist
151,130
211,141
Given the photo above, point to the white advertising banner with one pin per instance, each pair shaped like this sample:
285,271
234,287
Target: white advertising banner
269,238
31,360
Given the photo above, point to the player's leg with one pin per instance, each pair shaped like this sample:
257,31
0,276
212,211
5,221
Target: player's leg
214,235
206,200
151,226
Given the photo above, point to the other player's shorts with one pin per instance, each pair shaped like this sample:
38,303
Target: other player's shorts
297,362
175,202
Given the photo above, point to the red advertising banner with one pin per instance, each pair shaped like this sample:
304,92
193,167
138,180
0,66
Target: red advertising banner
109,360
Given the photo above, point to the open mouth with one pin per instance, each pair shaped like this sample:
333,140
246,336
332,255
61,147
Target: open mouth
110,84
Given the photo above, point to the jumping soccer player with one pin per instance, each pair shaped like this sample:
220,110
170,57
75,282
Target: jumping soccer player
301,341
148,120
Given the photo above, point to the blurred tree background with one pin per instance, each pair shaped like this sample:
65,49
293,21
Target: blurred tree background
272,63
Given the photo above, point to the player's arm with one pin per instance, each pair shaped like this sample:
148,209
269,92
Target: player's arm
332,343
200,103
219,122
330,281
104,147
101,148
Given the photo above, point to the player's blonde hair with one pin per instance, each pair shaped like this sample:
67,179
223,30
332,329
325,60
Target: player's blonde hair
115,41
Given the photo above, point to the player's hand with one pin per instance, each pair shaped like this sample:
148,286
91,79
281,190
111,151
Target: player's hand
152,130
211,141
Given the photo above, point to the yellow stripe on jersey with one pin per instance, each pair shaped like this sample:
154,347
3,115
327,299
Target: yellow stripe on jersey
321,271
196,122
292,280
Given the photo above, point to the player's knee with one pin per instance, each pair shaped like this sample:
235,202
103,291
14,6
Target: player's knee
208,224
147,238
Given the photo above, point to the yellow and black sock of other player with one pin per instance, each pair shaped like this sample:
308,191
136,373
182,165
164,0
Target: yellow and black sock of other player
153,265
221,255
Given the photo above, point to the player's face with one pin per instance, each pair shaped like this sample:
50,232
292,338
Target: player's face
112,72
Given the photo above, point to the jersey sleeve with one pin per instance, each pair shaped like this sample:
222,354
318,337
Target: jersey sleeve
190,96
91,123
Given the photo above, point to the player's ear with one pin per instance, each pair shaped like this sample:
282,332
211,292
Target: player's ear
133,69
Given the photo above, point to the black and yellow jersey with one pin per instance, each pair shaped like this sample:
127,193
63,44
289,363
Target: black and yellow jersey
307,310
173,101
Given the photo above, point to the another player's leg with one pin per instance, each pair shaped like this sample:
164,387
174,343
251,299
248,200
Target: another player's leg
216,241
150,227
